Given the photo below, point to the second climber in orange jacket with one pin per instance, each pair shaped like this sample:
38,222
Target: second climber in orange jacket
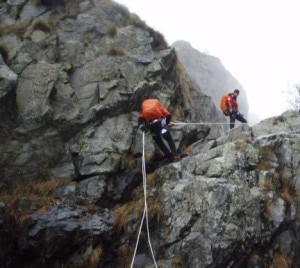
156,118
232,107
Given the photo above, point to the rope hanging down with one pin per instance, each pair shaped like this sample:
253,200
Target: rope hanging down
145,214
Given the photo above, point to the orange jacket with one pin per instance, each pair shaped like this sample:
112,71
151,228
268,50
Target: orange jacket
152,109
231,100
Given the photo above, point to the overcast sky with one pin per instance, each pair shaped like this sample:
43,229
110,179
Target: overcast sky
258,41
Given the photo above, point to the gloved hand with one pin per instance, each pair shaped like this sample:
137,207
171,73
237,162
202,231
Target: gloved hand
171,124
143,128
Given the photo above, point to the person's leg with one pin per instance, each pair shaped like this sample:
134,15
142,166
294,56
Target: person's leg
167,136
232,121
162,146
155,130
240,118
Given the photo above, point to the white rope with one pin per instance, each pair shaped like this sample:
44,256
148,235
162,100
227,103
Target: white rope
205,123
145,214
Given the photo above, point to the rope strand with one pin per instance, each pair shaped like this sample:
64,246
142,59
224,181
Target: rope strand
145,214
204,123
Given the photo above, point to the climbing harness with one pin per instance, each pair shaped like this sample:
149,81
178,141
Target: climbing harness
145,214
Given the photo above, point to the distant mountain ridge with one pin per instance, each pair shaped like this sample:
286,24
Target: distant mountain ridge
210,75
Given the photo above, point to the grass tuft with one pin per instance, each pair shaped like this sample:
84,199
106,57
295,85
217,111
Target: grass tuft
112,31
95,257
125,254
133,209
159,42
116,51
23,197
240,144
281,261
123,213
267,157
44,25
17,29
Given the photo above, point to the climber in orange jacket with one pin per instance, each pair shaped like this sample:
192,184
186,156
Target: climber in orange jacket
233,110
156,118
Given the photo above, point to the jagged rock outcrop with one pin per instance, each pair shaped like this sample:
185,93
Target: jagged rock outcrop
209,74
235,202
73,77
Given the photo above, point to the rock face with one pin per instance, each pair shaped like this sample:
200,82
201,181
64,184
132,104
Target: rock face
73,77
210,75
235,201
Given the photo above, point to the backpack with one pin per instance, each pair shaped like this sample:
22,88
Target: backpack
223,105
152,109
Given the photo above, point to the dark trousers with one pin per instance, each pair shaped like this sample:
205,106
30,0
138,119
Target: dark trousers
157,136
238,117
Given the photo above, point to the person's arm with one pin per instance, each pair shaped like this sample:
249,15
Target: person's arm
168,119
142,124
166,114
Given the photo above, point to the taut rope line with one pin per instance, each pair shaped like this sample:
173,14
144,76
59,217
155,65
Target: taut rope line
205,123
145,214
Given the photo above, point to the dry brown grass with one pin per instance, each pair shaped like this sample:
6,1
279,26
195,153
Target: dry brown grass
266,156
131,163
255,259
148,156
152,180
112,31
155,209
268,185
125,254
240,144
286,194
17,29
44,25
136,207
120,9
37,195
159,42
178,262
281,261
123,213
94,259
269,209
116,51
90,207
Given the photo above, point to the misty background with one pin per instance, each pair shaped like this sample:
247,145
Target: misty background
257,42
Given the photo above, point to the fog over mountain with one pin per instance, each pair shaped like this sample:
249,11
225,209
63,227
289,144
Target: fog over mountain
210,75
